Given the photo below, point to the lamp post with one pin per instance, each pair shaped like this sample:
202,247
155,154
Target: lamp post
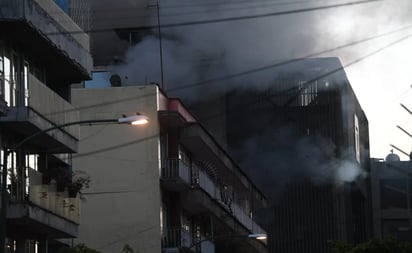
137,119
259,237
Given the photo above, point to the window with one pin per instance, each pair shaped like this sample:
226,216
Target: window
10,82
1,72
308,92
183,156
394,193
26,84
7,80
357,145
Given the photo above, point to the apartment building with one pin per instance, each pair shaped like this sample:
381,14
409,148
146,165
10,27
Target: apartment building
166,186
391,197
42,52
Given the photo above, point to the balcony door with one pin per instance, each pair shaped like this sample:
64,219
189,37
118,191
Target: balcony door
10,79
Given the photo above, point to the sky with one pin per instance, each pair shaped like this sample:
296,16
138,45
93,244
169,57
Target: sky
378,68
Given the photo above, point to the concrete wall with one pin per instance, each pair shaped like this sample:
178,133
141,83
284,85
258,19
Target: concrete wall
50,105
123,204
108,15
391,220
58,15
53,23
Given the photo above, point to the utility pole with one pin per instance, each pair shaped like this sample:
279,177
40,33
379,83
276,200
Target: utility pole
160,42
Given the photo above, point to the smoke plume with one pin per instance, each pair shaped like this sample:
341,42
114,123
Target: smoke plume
283,156
197,58
201,52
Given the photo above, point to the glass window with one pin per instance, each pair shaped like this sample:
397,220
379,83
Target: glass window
394,193
26,84
7,80
13,80
32,161
1,65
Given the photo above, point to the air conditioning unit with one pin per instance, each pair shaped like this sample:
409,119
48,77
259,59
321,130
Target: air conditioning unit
171,250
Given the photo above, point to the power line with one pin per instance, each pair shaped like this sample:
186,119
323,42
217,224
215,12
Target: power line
192,5
253,5
255,101
243,73
272,14
229,19
330,72
275,65
220,3
304,86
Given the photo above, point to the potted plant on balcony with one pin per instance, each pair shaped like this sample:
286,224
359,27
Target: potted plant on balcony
80,180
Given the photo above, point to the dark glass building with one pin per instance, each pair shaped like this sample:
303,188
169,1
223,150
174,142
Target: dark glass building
304,140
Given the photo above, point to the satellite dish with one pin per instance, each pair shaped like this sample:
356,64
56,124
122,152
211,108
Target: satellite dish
392,157
115,80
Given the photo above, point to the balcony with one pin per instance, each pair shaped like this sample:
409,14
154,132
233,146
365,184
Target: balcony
203,192
223,196
176,175
43,29
44,109
172,112
176,238
179,240
42,209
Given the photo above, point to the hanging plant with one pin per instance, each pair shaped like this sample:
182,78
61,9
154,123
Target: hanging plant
80,180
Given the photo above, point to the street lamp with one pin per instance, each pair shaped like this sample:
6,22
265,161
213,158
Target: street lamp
137,119
258,236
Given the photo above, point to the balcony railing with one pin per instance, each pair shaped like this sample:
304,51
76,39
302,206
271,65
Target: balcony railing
176,238
47,197
246,220
225,197
176,169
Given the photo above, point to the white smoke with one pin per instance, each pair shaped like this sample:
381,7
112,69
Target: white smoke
193,54
236,46
283,157
348,171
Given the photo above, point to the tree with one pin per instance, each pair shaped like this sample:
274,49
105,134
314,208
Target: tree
387,245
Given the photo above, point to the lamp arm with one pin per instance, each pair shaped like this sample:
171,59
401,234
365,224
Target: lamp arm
80,122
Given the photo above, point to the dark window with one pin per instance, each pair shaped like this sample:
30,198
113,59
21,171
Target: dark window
394,193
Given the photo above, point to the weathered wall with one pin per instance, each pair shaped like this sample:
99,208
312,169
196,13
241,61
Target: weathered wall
122,205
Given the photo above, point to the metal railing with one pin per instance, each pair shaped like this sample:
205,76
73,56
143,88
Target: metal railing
46,196
176,168
224,196
176,238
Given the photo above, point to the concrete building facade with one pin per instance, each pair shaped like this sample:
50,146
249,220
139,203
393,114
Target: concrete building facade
391,197
42,52
163,187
